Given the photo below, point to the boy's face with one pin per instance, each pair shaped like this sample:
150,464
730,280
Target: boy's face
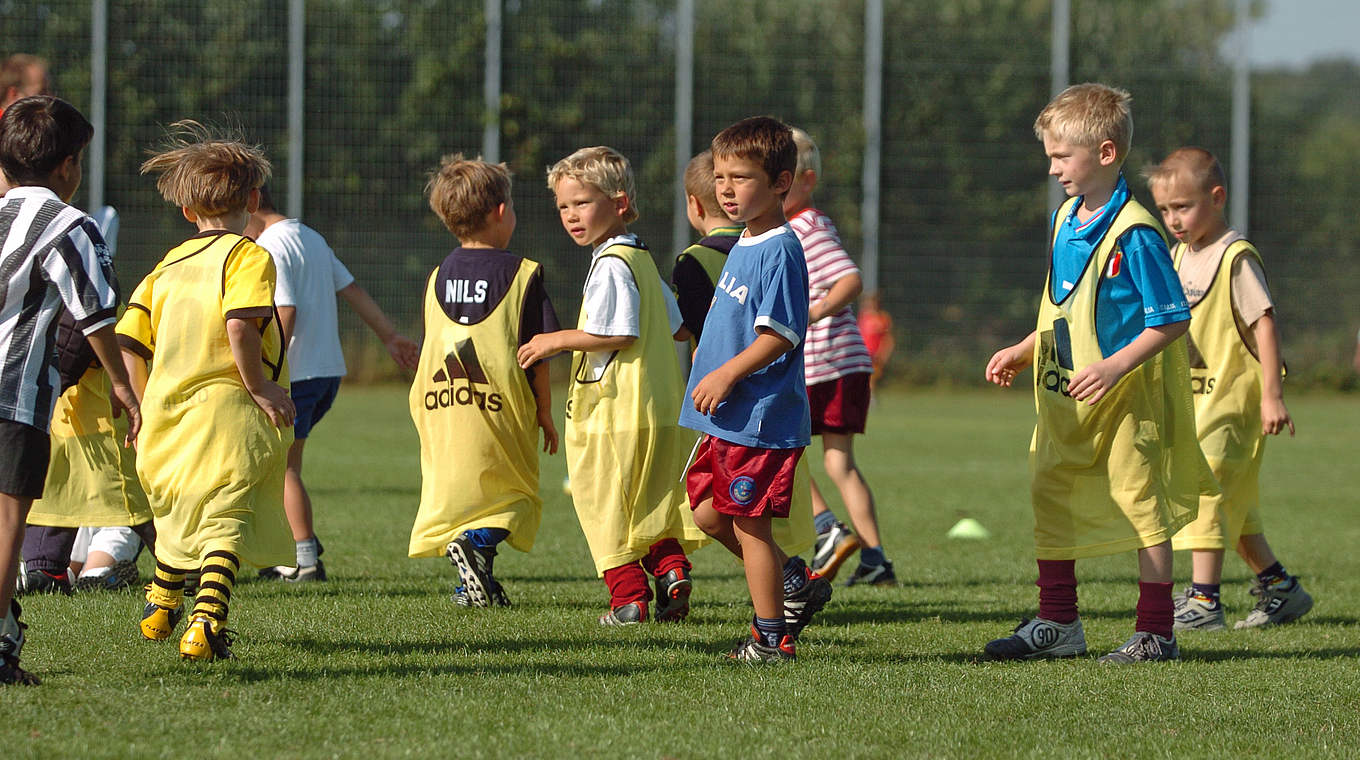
1078,168
744,190
587,214
1191,213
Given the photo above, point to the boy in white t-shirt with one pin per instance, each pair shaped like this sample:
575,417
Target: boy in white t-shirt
309,277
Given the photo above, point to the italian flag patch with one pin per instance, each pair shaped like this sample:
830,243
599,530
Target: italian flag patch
1116,262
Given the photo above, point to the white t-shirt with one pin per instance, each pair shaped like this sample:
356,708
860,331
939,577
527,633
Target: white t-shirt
611,300
309,275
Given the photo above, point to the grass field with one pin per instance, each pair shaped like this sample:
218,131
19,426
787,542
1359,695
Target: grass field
380,663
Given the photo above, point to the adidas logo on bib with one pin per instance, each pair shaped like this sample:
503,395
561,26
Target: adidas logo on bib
462,364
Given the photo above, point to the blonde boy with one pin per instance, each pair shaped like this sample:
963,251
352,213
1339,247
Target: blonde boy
217,427
1114,460
1235,371
477,412
625,451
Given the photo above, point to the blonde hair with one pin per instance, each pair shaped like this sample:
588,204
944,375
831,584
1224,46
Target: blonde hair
1087,115
207,170
1196,164
463,191
699,183
603,168
808,155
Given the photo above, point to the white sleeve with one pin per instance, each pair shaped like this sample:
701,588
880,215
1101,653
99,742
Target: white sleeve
611,299
340,274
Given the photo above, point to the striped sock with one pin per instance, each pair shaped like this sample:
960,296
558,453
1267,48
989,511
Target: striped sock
218,576
167,587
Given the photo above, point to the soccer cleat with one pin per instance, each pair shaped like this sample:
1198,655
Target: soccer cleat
201,642
672,595
460,597
11,673
1198,613
832,549
11,643
1036,638
42,582
1144,647
474,569
159,622
1277,604
122,575
751,650
631,613
874,575
801,605
303,574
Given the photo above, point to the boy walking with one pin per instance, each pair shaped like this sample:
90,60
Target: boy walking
625,450
477,412
1235,374
53,258
218,424
747,392
1114,461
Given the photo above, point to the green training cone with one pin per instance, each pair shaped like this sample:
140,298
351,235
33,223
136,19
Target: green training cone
969,528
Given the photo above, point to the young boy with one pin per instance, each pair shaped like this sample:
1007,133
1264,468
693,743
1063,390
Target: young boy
477,412
838,369
1235,373
53,257
218,414
309,277
747,392
696,271
625,450
1114,459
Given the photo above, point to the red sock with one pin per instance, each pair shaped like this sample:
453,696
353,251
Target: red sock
627,583
664,556
1058,590
1156,611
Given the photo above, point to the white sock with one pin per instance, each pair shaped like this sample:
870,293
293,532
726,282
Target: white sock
96,572
306,552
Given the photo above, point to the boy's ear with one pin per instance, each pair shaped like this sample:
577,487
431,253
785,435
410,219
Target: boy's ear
622,203
498,213
1219,196
253,201
695,206
810,178
1106,153
783,182
189,214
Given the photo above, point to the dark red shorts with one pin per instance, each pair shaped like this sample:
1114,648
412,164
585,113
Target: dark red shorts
840,405
743,481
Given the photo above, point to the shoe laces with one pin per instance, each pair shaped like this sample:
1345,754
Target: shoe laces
1145,645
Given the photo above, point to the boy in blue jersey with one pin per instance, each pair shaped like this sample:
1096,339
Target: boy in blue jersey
749,397
1114,459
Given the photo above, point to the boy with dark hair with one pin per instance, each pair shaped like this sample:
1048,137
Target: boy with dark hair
747,390
477,412
53,257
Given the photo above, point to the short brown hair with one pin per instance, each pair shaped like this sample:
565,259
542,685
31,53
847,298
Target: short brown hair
603,168
1197,164
463,191
763,139
207,170
699,183
1087,115
14,74
37,134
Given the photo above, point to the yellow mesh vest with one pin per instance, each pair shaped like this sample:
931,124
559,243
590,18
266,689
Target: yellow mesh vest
1225,378
476,416
712,261
626,451
1127,472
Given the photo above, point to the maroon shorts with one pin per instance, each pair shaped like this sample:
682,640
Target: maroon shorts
743,481
840,405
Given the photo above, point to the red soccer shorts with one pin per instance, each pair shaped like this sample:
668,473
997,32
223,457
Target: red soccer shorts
840,405
743,481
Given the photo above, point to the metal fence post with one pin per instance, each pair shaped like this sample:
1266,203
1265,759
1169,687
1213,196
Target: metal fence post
871,179
297,67
99,85
1240,173
684,118
491,83
1060,63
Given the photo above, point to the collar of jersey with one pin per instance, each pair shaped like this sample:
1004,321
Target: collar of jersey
627,238
32,191
1117,199
766,235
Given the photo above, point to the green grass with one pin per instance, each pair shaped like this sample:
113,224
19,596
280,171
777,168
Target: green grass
379,662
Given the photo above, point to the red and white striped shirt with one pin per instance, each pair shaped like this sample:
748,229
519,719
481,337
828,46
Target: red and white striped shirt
834,347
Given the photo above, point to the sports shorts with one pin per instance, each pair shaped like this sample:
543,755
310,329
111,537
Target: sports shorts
840,405
313,398
743,481
24,453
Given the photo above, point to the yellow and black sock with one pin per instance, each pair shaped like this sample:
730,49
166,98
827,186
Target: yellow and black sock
218,576
167,587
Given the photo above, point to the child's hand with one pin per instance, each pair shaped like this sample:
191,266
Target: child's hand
545,421
1275,417
711,390
538,348
274,400
1007,363
1093,381
123,399
404,351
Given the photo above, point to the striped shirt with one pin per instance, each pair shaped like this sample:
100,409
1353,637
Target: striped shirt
834,347
51,256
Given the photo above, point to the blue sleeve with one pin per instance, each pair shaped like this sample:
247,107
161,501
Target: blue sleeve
783,305
1154,275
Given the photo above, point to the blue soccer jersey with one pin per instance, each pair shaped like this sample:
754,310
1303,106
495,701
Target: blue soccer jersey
764,283
1140,287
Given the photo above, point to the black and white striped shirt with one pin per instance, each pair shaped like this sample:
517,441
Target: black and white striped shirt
51,256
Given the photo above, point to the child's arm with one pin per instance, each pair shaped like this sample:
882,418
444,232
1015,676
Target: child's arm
843,292
104,341
1093,381
546,345
244,336
403,350
1274,415
538,381
716,385
1010,361
287,321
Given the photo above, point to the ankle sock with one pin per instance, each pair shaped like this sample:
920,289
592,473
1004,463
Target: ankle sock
1207,590
1156,611
307,552
770,631
871,556
1273,575
167,587
487,538
1058,590
795,575
217,577
824,521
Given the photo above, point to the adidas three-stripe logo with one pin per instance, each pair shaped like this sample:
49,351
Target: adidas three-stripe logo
462,364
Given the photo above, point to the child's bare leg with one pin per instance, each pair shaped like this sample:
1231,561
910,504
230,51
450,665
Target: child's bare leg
717,525
764,563
818,502
13,515
297,504
1206,566
1256,552
839,458
1154,563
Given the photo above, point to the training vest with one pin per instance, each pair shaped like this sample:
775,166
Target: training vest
711,253
625,448
477,420
1127,472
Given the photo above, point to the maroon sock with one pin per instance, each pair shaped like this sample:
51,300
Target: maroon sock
1058,590
1156,611
627,583
664,556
